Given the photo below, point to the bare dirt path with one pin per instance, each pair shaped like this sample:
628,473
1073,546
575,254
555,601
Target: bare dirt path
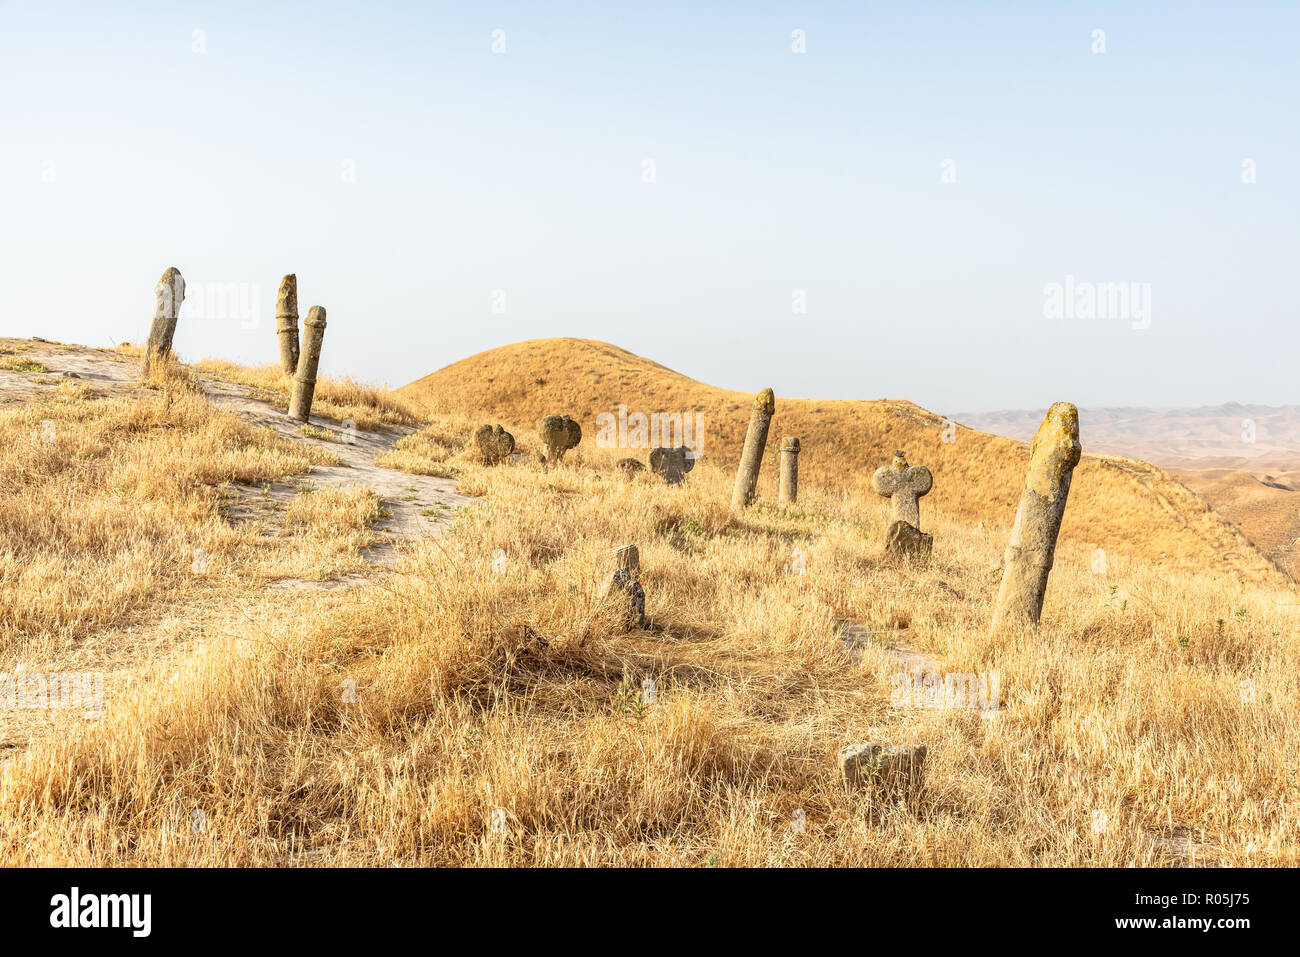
414,507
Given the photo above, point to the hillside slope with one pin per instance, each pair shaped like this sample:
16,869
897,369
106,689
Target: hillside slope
1117,504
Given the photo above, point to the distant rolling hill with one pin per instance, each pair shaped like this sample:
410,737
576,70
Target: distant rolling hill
1116,503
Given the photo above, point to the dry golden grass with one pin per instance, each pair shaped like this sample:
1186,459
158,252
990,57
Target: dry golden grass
387,723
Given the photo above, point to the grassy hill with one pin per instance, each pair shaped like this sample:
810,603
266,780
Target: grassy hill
1117,504
291,679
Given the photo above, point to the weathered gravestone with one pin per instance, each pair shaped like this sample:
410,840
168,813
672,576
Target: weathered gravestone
304,383
751,456
671,465
286,323
558,433
1053,454
624,586
788,488
168,294
887,772
495,444
905,485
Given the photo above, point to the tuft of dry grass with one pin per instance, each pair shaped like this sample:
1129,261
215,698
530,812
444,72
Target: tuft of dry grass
481,706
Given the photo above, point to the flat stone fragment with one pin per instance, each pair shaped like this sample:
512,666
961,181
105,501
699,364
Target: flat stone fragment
906,543
889,772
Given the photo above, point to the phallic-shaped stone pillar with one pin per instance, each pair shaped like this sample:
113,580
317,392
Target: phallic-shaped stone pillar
168,293
304,383
1053,454
751,456
788,489
286,323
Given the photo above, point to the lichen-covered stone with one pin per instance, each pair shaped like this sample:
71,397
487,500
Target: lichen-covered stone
559,434
905,485
672,464
751,455
495,444
286,323
624,585
304,383
905,542
169,294
788,486
1053,454
887,772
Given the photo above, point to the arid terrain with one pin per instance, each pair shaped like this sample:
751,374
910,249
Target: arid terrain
357,643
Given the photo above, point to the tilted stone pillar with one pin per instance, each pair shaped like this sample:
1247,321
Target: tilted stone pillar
558,433
1053,454
169,293
788,490
304,383
286,323
751,456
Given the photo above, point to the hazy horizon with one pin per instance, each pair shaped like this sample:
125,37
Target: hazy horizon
976,210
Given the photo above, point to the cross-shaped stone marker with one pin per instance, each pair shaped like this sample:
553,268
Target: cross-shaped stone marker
905,484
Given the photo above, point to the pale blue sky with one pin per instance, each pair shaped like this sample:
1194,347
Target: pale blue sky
124,151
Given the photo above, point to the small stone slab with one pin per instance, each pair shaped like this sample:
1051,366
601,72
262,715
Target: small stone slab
890,772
